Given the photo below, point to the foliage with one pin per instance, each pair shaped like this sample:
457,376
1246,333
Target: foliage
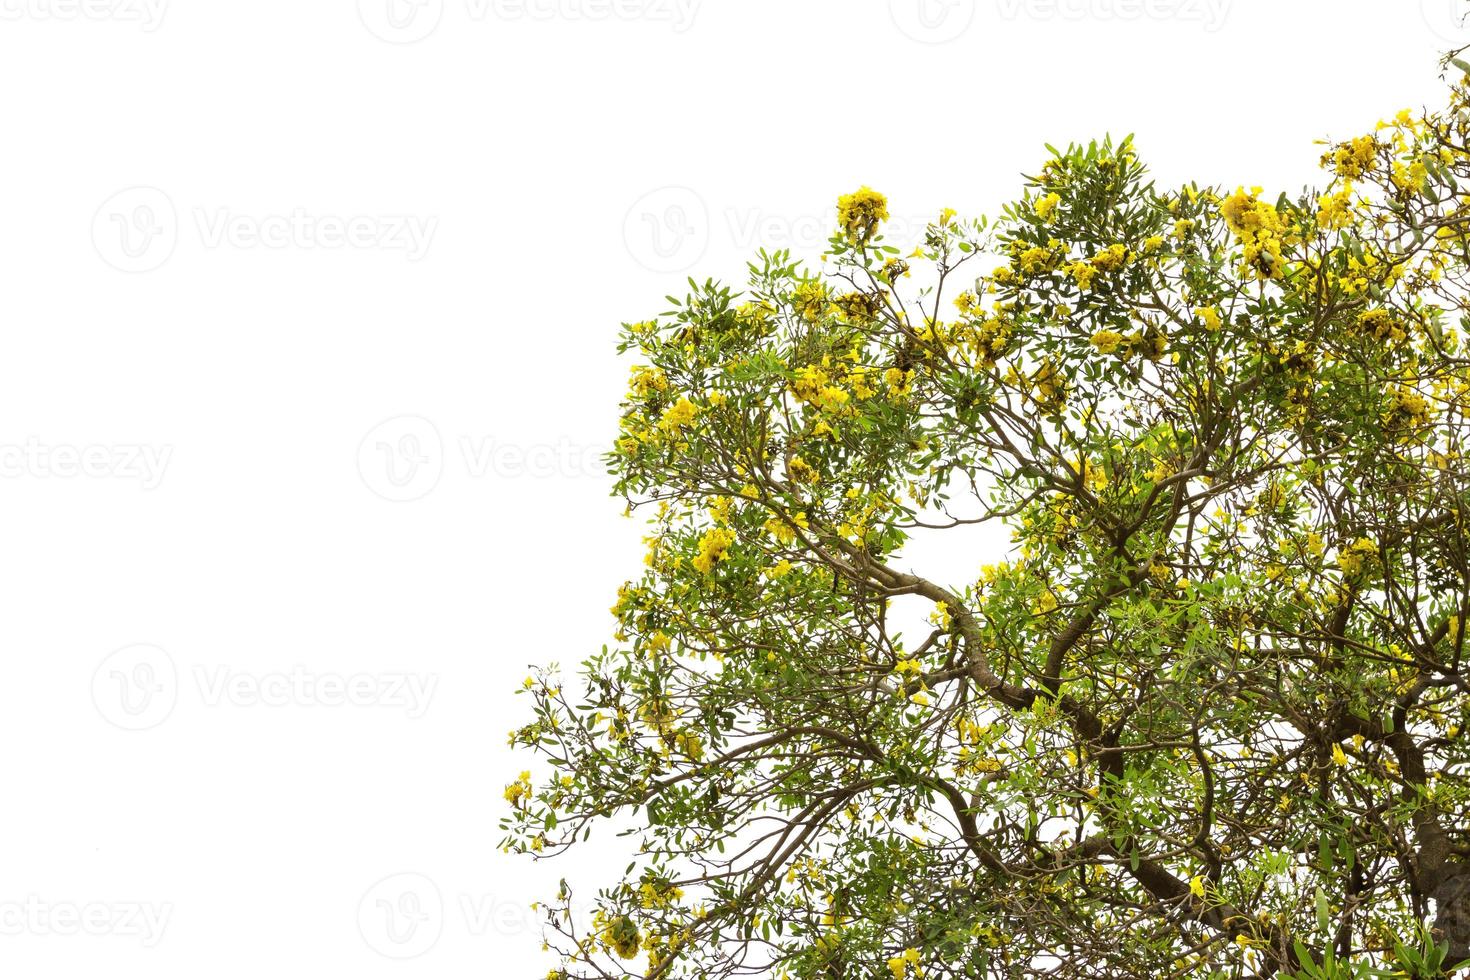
1205,716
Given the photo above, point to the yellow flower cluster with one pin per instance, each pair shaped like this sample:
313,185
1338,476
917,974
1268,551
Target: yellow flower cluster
860,213
1107,341
1407,410
1112,258
519,792
678,415
1051,387
899,383
858,307
621,935
1336,210
801,471
647,380
1380,324
1410,177
1352,558
1034,260
785,532
1045,206
901,964
1353,158
810,300
1151,342
1260,228
658,895
1083,273
990,338
712,547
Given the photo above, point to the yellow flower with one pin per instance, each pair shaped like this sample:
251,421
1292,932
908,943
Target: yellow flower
658,895
518,792
1112,258
1051,388
898,382
1036,260
1082,272
858,307
899,965
623,937
830,398
802,471
1353,158
1107,341
1335,210
1211,316
712,547
1380,325
810,300
1259,228
1044,206
1338,756
646,380
860,212
785,532
678,415
1197,886
1406,410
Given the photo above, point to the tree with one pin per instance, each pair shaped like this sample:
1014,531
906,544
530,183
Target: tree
1203,716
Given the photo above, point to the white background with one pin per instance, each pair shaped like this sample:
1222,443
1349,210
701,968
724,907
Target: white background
206,378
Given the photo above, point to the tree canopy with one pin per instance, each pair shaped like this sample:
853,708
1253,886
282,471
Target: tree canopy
1202,714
